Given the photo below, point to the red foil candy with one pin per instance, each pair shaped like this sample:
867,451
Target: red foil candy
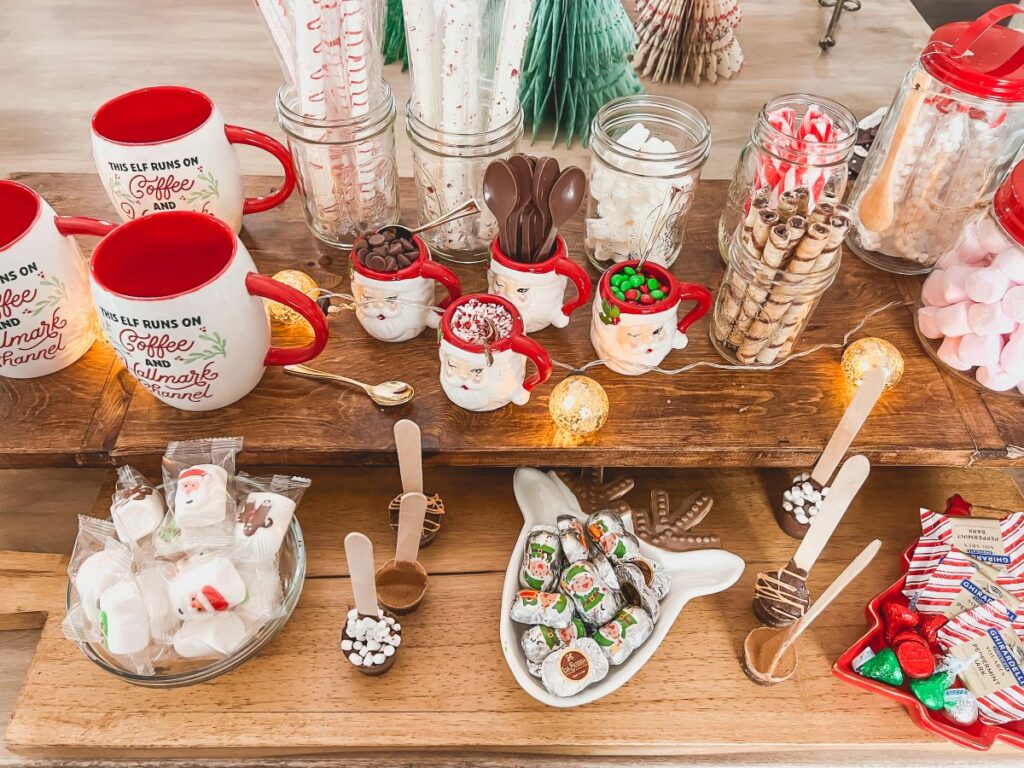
898,618
929,626
914,655
957,506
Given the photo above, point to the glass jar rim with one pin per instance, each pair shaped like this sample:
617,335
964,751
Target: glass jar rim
381,114
765,134
422,134
687,117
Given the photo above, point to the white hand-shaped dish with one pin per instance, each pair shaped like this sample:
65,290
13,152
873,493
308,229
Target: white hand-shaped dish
542,497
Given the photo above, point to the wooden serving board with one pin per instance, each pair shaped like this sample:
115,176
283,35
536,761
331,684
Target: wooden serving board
93,413
451,688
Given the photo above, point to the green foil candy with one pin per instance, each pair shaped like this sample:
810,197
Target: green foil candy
884,667
932,691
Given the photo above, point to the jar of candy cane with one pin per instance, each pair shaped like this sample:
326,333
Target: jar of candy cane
796,157
346,169
449,170
953,130
643,149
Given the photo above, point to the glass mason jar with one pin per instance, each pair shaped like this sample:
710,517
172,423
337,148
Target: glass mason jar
798,140
449,170
953,130
760,311
642,148
345,168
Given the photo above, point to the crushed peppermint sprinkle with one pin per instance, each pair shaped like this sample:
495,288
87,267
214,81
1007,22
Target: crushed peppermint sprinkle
475,322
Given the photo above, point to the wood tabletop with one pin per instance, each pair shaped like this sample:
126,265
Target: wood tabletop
93,413
451,688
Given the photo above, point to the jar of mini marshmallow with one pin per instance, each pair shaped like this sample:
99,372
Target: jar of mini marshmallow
643,149
953,130
973,301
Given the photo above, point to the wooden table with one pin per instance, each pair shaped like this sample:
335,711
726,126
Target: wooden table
451,688
705,417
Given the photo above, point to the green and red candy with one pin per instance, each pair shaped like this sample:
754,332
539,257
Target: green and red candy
638,288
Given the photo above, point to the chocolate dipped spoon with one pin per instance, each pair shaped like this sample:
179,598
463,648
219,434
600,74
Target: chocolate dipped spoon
522,169
409,444
781,597
402,582
370,631
501,197
566,197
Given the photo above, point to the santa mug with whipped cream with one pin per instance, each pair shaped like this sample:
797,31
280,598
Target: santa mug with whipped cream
484,351
633,337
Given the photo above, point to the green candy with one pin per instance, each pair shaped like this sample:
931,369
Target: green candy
629,271
657,293
636,281
885,668
932,691
616,279
652,283
619,295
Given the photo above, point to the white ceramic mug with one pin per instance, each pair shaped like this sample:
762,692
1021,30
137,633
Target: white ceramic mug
633,338
396,306
179,299
476,384
46,318
168,148
538,290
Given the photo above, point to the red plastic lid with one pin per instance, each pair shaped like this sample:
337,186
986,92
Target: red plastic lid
1008,204
979,58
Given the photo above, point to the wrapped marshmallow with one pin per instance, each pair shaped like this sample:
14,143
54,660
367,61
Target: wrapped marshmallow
136,507
206,585
199,478
124,618
98,561
265,513
152,582
264,593
209,636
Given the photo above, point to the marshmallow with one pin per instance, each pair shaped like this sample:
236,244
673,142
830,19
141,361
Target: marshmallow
97,573
635,137
1011,263
208,586
989,320
948,353
970,251
263,591
152,583
980,350
215,634
1013,303
948,259
934,289
987,285
991,236
201,496
1012,358
996,379
262,523
952,320
124,619
954,283
137,513
928,323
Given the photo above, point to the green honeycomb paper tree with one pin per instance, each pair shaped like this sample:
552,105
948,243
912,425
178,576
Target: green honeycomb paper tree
393,45
577,58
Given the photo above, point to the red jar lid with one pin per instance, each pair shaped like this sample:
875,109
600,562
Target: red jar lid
1008,204
979,58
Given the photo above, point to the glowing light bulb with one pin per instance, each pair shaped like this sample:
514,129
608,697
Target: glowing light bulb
300,281
865,354
579,405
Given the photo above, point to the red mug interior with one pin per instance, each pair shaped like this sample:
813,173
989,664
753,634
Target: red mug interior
19,209
163,255
152,115
499,345
651,269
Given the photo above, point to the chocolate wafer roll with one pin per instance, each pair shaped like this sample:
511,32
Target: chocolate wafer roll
735,289
758,203
803,195
763,224
789,201
821,214
797,229
753,302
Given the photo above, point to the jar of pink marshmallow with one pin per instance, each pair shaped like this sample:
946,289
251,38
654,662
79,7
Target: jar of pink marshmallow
971,314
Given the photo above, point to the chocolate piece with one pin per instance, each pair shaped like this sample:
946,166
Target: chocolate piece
539,642
781,597
667,528
596,602
594,494
371,650
801,503
575,546
636,590
431,523
401,586
542,559
607,530
385,251
569,670
624,634
552,609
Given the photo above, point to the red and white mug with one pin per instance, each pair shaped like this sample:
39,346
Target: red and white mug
478,381
167,148
633,338
397,306
179,298
45,311
538,290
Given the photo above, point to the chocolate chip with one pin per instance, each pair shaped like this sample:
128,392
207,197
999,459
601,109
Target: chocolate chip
390,264
376,261
408,245
376,239
394,248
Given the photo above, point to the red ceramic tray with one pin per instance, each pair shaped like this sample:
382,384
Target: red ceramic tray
977,736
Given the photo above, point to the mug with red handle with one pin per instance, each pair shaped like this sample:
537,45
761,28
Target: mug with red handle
538,290
480,378
45,311
179,299
634,338
167,148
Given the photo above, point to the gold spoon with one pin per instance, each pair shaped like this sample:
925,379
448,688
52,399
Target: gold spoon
386,393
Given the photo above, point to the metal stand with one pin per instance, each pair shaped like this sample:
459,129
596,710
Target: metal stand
839,6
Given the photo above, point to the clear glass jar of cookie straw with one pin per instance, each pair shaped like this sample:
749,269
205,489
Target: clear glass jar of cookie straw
763,305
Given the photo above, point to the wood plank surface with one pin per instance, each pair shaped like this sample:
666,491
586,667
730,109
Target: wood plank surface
452,690
705,417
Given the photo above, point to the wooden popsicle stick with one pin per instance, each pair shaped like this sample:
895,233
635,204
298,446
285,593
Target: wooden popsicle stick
787,637
409,443
411,511
359,553
848,481
856,414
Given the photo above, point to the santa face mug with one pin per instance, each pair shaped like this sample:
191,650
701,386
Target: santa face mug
179,299
484,379
397,306
167,148
537,290
633,338
45,311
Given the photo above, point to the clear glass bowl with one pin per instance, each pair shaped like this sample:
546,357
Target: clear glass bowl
184,672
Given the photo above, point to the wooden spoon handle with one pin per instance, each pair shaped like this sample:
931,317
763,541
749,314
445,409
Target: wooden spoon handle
850,478
411,511
359,553
856,414
409,444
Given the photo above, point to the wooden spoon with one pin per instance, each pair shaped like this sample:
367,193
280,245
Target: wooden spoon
769,656
523,172
856,414
402,582
876,205
500,196
545,174
565,199
409,444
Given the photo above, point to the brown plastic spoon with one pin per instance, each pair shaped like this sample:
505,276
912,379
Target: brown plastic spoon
566,198
545,174
523,172
500,197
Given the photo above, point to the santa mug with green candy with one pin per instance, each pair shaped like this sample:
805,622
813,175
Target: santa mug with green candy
167,148
635,322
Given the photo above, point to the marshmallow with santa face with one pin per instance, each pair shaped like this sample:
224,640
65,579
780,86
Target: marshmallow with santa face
208,585
201,496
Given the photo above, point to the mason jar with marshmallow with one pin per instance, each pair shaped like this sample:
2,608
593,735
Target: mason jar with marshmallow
973,302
